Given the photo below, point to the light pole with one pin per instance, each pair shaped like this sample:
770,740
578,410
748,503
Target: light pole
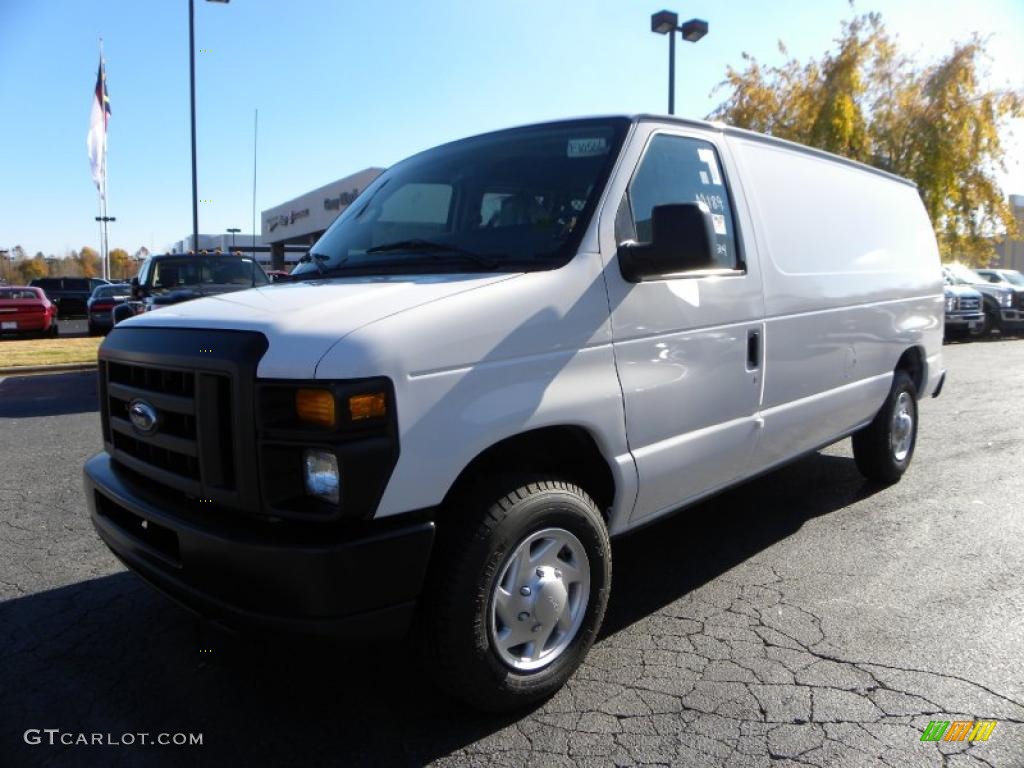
192,96
667,23
234,231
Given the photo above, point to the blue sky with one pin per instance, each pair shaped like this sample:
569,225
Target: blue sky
341,85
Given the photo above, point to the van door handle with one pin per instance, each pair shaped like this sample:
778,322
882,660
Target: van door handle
753,350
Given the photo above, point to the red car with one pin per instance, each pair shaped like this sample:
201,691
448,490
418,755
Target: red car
26,310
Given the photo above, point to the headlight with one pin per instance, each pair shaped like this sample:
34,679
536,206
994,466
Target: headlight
950,303
1005,299
320,473
317,406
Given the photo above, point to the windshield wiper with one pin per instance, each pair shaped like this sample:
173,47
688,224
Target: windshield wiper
437,250
317,259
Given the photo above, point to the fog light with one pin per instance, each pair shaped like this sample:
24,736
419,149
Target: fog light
320,472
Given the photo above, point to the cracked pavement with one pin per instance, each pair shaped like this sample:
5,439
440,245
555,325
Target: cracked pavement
803,619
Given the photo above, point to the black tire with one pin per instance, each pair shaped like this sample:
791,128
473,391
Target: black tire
54,331
479,529
993,321
873,445
93,331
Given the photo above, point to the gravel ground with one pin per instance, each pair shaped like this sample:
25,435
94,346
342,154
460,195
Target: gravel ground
805,618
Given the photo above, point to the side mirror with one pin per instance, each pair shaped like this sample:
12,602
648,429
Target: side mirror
135,287
682,240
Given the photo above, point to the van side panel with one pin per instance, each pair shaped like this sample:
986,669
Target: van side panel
852,279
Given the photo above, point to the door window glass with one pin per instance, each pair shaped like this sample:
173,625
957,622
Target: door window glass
683,170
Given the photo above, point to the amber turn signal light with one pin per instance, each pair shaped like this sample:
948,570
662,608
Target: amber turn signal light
367,406
315,406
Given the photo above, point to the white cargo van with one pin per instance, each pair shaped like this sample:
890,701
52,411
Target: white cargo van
506,350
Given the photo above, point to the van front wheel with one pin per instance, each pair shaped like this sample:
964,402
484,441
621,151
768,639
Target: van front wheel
884,447
517,592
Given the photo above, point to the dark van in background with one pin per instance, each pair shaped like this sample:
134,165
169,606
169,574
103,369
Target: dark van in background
70,294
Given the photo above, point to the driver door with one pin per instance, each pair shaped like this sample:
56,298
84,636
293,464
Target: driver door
687,345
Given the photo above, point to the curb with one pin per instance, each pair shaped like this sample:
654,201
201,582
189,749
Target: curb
26,370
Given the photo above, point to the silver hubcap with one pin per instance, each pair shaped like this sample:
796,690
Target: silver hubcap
901,436
539,599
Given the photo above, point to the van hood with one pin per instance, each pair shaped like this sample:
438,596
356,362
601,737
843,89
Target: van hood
303,320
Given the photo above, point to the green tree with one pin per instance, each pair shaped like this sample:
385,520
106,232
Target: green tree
937,125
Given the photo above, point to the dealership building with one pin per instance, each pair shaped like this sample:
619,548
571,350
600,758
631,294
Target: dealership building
293,226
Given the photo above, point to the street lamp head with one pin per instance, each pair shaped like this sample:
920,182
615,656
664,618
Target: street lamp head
694,29
233,230
664,22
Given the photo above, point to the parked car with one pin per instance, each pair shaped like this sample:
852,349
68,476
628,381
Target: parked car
70,294
1014,280
101,305
998,302
26,309
172,278
964,314
507,350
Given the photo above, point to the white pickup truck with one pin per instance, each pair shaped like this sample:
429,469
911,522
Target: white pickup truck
505,351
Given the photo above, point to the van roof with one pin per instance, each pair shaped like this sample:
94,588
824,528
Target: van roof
730,130
718,127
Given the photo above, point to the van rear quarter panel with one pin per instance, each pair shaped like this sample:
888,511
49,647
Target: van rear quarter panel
851,278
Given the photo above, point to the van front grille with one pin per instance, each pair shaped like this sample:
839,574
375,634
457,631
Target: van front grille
191,445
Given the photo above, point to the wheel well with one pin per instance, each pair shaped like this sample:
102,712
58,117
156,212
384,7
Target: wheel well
912,361
565,451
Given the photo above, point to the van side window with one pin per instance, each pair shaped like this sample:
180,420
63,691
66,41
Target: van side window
681,170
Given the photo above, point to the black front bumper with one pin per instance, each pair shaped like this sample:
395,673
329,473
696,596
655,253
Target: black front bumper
357,583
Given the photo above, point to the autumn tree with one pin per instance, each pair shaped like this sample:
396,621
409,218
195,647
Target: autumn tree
30,269
120,263
938,125
89,262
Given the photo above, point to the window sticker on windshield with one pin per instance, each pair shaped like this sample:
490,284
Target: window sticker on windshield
587,147
719,221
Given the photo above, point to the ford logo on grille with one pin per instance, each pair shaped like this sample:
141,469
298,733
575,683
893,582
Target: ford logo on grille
143,416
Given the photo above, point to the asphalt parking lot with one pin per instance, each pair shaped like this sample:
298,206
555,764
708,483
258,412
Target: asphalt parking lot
806,618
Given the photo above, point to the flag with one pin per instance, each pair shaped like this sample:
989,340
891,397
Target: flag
96,140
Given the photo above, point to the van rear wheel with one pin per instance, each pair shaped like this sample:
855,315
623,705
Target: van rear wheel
517,591
883,449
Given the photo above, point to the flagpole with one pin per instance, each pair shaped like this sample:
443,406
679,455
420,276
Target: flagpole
104,262
106,218
102,225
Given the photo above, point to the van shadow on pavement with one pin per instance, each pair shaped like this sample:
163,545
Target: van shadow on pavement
110,655
56,394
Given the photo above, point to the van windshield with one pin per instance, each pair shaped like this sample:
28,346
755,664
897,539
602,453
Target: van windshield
508,201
